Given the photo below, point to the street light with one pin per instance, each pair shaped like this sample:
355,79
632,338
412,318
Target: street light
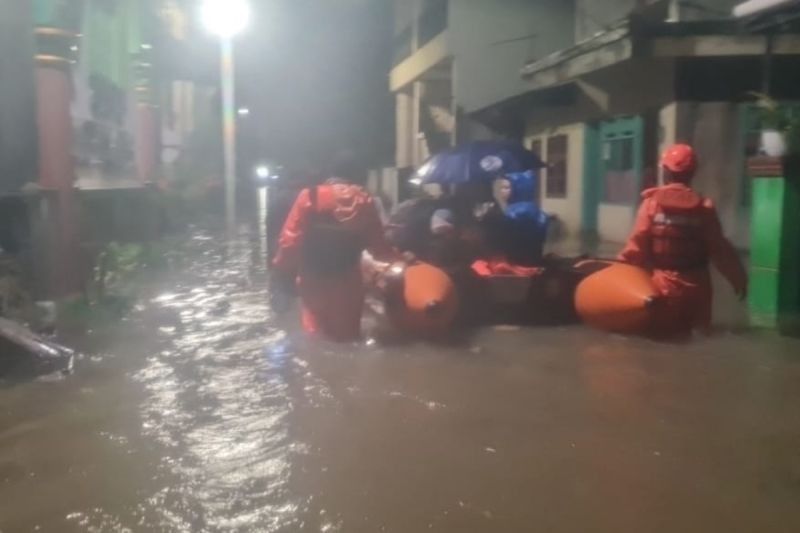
243,111
262,171
225,19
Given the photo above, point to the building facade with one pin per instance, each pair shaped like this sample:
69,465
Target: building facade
453,57
86,87
640,75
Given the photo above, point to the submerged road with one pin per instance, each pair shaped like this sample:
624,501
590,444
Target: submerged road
199,414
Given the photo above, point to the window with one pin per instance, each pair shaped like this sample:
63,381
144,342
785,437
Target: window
557,154
620,183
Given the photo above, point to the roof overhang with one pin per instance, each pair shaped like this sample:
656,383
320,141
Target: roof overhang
507,116
602,50
771,15
725,45
753,8
421,63
718,38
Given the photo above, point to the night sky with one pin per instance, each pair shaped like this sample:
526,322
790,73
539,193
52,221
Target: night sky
315,76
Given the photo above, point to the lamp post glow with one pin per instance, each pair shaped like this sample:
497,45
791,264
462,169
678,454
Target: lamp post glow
262,171
226,18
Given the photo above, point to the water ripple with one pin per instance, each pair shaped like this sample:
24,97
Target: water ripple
219,408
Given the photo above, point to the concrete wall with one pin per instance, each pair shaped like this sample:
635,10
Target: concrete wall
569,209
469,66
714,130
486,68
630,88
705,9
614,222
405,12
624,89
594,16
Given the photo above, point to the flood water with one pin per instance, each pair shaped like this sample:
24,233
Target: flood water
199,414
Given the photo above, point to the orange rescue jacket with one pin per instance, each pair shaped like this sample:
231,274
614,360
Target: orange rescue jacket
337,216
677,229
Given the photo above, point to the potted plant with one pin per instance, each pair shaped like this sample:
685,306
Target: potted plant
780,126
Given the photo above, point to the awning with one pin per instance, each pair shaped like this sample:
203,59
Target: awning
769,15
508,115
760,7
710,38
602,50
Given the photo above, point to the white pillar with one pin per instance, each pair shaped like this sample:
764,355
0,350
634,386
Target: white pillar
416,98
229,134
404,130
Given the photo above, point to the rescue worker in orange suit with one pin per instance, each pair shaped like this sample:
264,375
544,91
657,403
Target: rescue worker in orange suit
678,234
320,246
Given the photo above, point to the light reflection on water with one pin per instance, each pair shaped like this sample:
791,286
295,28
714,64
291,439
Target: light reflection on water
201,415
220,407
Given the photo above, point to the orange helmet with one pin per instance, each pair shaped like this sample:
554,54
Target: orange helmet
679,159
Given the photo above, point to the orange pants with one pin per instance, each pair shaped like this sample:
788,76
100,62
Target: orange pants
332,305
687,301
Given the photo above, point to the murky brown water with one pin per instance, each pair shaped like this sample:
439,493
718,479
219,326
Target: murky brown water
197,414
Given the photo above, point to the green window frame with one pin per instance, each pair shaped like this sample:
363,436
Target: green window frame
621,161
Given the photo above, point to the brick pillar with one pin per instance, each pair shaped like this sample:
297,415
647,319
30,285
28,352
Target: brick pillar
147,125
56,166
148,122
774,300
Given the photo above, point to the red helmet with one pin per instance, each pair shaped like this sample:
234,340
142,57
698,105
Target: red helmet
679,159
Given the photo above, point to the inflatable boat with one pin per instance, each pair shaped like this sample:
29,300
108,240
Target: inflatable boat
514,294
606,295
617,297
422,300
418,299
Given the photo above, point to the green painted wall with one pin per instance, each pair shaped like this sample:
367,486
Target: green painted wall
591,171
774,299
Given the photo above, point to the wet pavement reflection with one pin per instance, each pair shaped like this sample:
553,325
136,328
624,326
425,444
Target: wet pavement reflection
201,413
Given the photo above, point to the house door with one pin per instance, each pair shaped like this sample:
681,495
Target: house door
613,176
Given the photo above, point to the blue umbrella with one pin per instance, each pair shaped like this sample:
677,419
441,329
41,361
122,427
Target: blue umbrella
476,161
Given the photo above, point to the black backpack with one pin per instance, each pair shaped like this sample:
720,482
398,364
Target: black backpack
329,248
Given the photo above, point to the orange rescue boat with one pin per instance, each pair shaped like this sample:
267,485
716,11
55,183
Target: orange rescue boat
617,297
430,302
418,299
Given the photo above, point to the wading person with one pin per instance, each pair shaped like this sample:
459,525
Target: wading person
321,243
678,234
